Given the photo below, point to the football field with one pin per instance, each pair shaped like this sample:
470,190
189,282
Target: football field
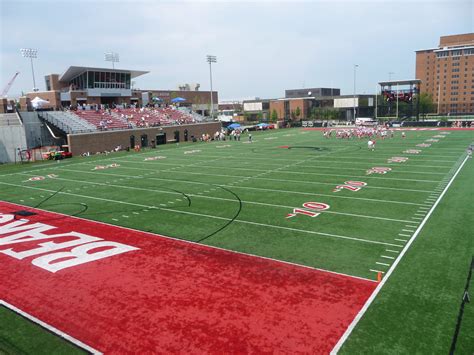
333,211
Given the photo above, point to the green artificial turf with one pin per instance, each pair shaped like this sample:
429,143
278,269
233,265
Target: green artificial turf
416,312
20,336
237,195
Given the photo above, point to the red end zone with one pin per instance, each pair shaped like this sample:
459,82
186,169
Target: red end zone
149,294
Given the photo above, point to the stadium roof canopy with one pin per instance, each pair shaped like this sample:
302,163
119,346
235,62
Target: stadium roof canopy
74,71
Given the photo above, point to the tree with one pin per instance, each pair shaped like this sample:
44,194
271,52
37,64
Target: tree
293,115
426,104
274,116
297,112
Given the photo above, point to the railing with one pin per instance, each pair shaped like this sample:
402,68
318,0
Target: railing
61,125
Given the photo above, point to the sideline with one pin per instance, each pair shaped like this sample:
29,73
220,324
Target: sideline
50,328
367,304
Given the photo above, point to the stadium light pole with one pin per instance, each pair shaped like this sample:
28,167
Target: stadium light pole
390,75
354,98
30,53
211,59
112,57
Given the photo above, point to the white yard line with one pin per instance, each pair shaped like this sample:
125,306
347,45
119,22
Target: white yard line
374,294
286,180
209,216
200,195
285,172
347,176
50,328
261,189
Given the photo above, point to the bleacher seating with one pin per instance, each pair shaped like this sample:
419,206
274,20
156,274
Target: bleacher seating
150,117
101,119
67,121
123,118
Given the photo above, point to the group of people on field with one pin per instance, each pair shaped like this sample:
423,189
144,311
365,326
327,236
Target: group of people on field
359,132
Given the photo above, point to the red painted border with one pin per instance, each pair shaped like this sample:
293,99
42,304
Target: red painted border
171,296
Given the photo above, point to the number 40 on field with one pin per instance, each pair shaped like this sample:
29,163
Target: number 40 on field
313,209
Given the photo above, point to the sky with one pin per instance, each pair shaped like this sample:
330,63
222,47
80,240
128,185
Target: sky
262,47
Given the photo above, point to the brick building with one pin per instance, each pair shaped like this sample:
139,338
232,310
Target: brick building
447,73
93,86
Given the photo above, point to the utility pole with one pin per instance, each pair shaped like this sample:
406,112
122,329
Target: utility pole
354,98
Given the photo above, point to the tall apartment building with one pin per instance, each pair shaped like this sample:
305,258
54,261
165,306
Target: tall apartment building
447,73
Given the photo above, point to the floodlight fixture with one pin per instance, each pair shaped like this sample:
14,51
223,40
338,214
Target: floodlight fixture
211,59
30,53
112,57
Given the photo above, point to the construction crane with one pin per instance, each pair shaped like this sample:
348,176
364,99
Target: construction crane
9,85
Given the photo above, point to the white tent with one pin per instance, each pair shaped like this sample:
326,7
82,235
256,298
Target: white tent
38,102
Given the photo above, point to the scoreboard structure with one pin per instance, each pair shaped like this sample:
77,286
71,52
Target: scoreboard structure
396,93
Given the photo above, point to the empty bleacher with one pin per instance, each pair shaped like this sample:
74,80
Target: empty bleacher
67,121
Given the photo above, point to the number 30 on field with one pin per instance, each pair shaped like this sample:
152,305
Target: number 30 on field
311,207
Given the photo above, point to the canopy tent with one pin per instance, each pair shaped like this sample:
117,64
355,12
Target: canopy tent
178,99
234,126
38,102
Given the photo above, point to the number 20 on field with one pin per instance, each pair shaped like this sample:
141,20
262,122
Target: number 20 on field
311,211
350,185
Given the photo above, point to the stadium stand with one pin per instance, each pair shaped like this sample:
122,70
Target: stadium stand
9,119
118,119
67,121
101,119
151,117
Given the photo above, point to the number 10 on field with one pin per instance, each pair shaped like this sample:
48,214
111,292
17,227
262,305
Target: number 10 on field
313,209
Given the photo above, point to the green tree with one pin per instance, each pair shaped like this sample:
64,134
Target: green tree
297,112
426,104
274,116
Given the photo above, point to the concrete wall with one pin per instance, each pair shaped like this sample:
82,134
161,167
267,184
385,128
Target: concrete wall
12,137
36,132
101,141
